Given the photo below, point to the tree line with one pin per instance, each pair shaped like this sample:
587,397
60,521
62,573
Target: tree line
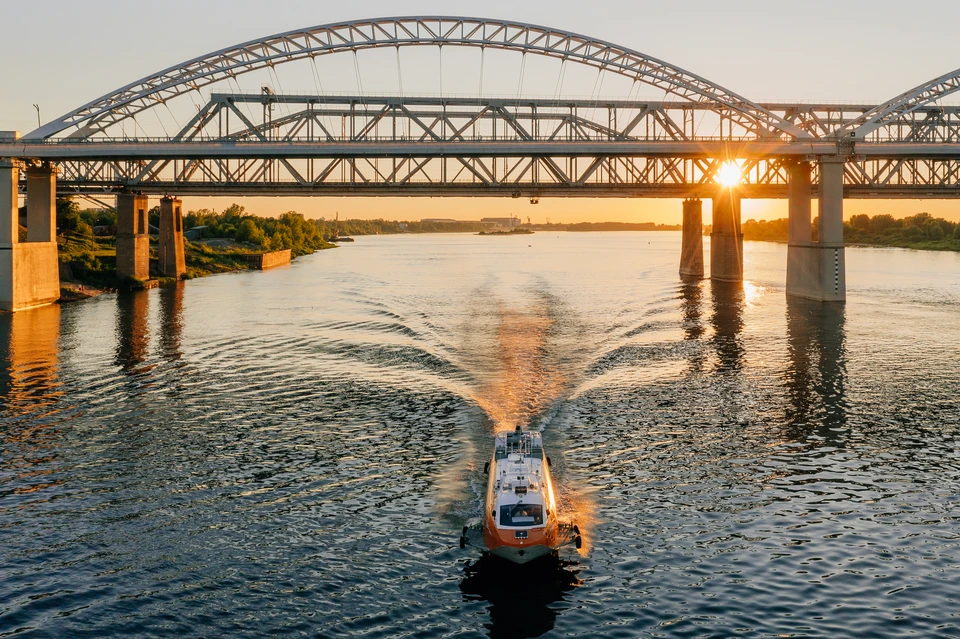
915,231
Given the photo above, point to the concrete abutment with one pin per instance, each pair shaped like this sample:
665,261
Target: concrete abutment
29,271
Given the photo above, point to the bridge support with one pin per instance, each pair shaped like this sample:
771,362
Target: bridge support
816,270
172,260
133,237
691,253
726,240
29,271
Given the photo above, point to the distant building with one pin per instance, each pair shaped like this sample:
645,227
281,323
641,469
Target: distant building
502,222
194,234
438,220
402,226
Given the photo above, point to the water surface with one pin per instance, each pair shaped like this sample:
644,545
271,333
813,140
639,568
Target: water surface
294,452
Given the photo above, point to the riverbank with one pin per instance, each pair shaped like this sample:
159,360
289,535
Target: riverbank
88,266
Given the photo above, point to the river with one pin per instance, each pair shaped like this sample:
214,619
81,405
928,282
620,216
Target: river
295,451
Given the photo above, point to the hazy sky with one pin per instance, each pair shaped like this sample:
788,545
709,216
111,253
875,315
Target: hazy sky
62,54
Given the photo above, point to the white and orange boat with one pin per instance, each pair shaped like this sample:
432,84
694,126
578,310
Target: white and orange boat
521,522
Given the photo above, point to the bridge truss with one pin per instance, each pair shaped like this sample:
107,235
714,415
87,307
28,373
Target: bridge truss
239,143
432,146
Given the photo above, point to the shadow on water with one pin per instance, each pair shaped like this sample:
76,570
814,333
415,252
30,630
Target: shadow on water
522,598
816,373
133,333
727,320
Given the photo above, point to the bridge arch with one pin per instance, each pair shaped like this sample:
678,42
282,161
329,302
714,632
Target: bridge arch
157,89
902,105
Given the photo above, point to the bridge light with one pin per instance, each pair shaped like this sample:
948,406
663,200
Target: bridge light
730,175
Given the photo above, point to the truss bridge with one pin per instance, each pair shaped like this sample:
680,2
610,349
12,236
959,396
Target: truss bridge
682,145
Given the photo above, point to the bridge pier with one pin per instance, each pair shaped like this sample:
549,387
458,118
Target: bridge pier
29,271
726,239
691,253
172,260
133,237
816,270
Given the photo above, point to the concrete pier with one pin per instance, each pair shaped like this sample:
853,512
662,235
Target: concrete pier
726,240
816,269
172,260
133,237
29,271
691,253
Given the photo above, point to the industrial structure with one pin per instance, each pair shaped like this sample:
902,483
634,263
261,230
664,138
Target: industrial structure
323,144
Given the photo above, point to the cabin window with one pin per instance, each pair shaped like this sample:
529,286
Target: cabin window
521,515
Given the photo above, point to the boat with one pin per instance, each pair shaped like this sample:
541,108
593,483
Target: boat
521,522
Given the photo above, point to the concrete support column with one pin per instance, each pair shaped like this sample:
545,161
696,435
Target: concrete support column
172,260
42,204
29,271
691,253
833,280
9,203
133,237
816,270
726,240
831,202
799,203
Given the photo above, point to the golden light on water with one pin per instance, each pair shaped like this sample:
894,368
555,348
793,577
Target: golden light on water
730,174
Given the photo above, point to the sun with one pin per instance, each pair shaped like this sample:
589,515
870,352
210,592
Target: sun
730,175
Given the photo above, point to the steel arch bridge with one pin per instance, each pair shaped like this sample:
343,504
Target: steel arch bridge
517,146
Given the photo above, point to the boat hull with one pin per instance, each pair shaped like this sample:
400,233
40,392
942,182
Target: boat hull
523,555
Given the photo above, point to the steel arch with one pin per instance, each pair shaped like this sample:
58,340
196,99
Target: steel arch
154,90
902,105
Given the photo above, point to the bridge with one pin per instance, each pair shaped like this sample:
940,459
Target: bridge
699,141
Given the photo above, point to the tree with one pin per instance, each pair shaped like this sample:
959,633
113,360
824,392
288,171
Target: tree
912,232
934,230
249,232
881,223
860,222
68,214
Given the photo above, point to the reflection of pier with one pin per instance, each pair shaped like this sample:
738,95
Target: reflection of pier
727,323
521,597
29,348
133,327
691,309
133,333
816,374
171,320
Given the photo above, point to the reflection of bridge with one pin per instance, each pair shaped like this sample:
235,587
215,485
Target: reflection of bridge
238,143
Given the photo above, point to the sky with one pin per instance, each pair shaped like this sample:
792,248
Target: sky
63,54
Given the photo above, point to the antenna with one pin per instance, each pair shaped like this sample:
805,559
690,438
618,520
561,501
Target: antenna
37,107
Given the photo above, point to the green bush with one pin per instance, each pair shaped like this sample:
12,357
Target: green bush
934,230
914,233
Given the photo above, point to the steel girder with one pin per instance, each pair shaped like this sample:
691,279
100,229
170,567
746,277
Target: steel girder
242,143
101,114
898,108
